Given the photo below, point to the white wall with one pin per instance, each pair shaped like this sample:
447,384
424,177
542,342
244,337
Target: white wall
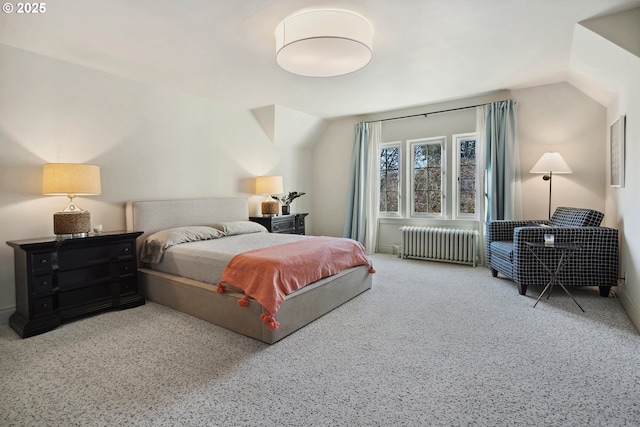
624,203
331,167
558,117
149,142
605,63
617,58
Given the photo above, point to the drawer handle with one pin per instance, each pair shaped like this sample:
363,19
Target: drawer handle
125,250
126,268
44,305
45,283
43,261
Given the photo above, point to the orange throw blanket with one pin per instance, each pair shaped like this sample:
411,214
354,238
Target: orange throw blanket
269,274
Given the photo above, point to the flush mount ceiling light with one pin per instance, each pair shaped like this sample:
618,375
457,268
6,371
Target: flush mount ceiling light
324,43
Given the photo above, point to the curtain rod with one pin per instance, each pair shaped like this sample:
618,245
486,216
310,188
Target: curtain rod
432,112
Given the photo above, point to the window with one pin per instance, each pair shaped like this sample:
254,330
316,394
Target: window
427,175
390,178
466,194
420,168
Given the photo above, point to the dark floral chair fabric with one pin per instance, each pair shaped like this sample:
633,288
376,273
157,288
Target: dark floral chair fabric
595,263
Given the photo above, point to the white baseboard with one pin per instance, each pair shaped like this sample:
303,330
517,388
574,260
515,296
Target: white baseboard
389,249
632,310
5,313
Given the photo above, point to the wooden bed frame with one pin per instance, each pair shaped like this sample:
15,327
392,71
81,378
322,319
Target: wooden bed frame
201,300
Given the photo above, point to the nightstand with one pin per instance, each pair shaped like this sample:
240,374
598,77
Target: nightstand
284,224
59,279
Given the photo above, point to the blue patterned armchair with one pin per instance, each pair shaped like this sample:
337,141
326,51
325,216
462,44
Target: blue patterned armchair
595,263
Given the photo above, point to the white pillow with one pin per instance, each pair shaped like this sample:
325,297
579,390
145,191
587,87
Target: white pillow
231,228
154,246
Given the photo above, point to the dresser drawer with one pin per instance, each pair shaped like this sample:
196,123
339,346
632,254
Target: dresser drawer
84,296
41,262
127,268
127,287
123,250
42,306
80,257
283,226
42,285
79,277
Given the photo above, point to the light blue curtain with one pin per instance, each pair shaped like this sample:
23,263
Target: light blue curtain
372,200
502,161
355,221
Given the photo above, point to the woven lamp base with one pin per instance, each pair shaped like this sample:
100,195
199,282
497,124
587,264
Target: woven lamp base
270,208
78,224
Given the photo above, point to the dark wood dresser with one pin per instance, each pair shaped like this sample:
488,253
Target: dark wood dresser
285,224
59,279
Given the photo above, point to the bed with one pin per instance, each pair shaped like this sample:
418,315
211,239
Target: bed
201,296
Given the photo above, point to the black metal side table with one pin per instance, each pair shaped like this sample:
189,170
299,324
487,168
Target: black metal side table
566,251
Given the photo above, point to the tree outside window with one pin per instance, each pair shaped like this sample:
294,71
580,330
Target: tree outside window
427,177
467,174
390,179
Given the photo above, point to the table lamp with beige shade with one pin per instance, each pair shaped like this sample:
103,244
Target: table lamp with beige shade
71,180
269,185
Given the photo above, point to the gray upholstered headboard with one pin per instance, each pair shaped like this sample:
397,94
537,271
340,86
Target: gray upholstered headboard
150,216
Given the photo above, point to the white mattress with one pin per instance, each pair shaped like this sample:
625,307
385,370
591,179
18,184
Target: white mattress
205,261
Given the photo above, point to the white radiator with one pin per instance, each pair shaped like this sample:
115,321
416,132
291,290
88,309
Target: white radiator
440,244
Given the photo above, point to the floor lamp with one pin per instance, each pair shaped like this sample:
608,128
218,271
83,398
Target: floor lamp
549,164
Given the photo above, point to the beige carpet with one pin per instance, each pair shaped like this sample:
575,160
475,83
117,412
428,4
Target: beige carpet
431,344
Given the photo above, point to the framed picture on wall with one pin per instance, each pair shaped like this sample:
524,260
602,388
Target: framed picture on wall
616,151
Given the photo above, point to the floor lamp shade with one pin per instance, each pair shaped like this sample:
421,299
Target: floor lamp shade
71,180
549,164
269,185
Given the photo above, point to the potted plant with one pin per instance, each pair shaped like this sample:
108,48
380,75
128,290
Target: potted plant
286,200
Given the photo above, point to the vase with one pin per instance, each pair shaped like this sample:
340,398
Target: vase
285,209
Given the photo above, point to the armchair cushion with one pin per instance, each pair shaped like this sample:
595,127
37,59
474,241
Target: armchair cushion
576,217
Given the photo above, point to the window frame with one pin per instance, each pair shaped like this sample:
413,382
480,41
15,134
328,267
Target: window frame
410,177
400,212
456,140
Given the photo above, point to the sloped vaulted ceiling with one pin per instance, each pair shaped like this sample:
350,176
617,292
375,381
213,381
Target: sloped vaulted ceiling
605,54
288,127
